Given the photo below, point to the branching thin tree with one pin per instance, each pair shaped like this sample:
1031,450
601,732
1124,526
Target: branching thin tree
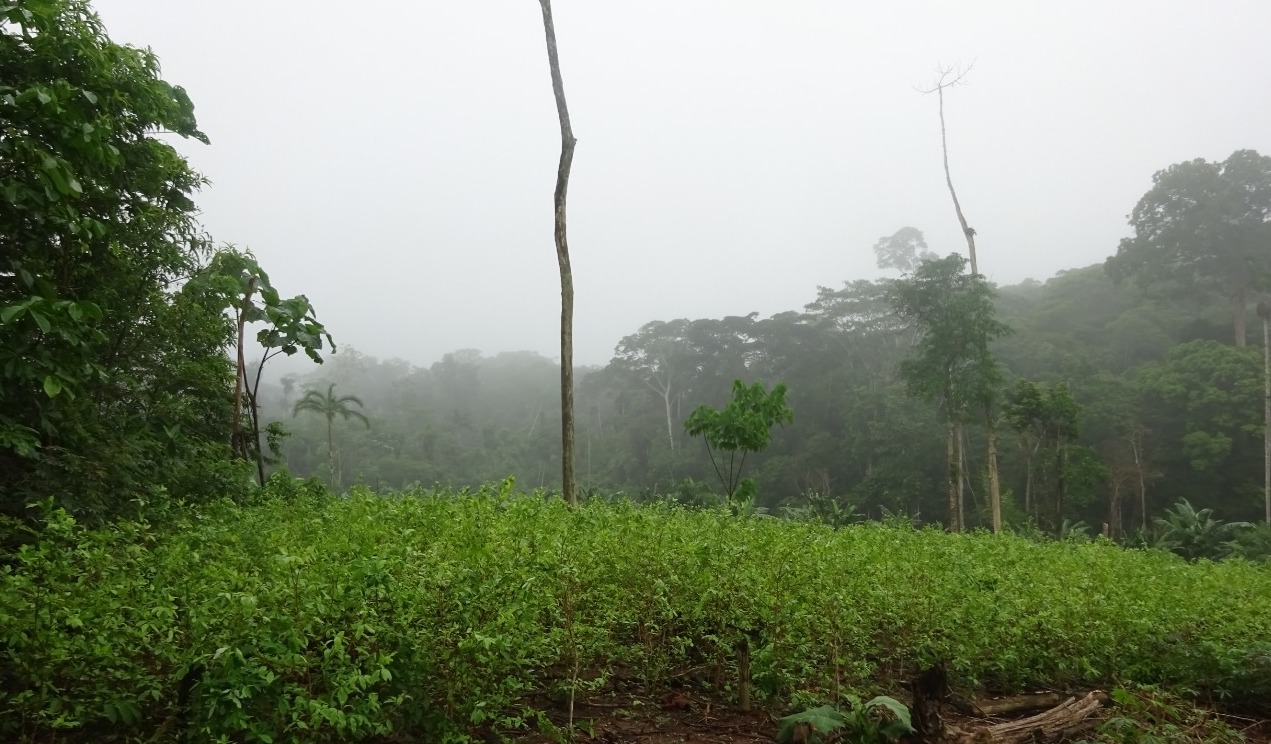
948,77
567,143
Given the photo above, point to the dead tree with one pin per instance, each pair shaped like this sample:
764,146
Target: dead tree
567,143
947,77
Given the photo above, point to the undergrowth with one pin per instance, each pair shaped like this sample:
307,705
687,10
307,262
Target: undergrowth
305,617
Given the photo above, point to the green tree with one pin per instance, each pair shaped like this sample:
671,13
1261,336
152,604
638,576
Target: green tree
329,405
1203,229
234,280
1045,418
742,427
111,383
1204,402
951,364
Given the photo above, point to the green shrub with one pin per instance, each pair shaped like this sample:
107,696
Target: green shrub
312,617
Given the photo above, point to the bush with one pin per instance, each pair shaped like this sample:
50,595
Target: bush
337,619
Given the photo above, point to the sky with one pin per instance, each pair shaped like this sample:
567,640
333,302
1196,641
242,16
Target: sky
395,160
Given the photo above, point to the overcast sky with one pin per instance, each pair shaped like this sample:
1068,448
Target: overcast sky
395,159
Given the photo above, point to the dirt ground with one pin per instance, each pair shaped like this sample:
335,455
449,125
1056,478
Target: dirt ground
685,718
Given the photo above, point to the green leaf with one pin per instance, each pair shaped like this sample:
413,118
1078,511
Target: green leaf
52,386
821,721
10,313
901,724
42,321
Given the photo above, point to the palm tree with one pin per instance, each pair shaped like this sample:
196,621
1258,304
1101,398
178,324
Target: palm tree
330,406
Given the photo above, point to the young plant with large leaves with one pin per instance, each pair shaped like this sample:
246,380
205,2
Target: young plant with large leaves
740,428
235,281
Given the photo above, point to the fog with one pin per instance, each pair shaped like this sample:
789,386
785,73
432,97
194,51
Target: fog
395,161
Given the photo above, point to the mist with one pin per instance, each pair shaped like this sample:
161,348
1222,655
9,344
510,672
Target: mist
395,161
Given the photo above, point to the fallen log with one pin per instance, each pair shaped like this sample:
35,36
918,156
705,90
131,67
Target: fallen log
1016,704
1064,720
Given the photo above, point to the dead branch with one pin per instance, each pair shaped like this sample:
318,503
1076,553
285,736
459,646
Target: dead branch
948,77
1064,720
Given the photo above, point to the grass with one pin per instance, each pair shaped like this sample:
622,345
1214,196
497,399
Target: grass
438,613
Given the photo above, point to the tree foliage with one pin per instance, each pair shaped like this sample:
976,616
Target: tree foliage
1203,230
742,427
112,382
328,405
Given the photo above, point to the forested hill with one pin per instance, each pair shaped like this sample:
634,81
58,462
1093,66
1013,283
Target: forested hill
1165,406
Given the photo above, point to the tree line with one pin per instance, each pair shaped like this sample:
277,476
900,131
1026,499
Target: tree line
1113,390
1100,396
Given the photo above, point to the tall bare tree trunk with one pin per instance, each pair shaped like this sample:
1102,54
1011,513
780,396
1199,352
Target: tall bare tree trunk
1239,301
953,458
967,230
995,485
951,461
1136,448
1264,312
670,433
567,143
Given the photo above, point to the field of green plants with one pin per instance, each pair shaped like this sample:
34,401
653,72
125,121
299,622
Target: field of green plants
440,613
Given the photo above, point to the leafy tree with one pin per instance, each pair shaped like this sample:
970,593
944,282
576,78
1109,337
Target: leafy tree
329,405
743,426
1045,418
1202,230
951,365
658,354
904,250
112,384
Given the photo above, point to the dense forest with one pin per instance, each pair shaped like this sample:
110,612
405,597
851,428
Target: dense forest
1099,398
1119,400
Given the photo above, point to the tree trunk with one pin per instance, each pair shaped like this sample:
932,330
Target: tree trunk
1239,301
1264,312
562,258
1135,447
1061,487
240,378
1028,483
995,486
955,478
670,433
961,457
957,206
1114,509
331,449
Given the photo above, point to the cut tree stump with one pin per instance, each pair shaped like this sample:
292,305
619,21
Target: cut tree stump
1064,720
